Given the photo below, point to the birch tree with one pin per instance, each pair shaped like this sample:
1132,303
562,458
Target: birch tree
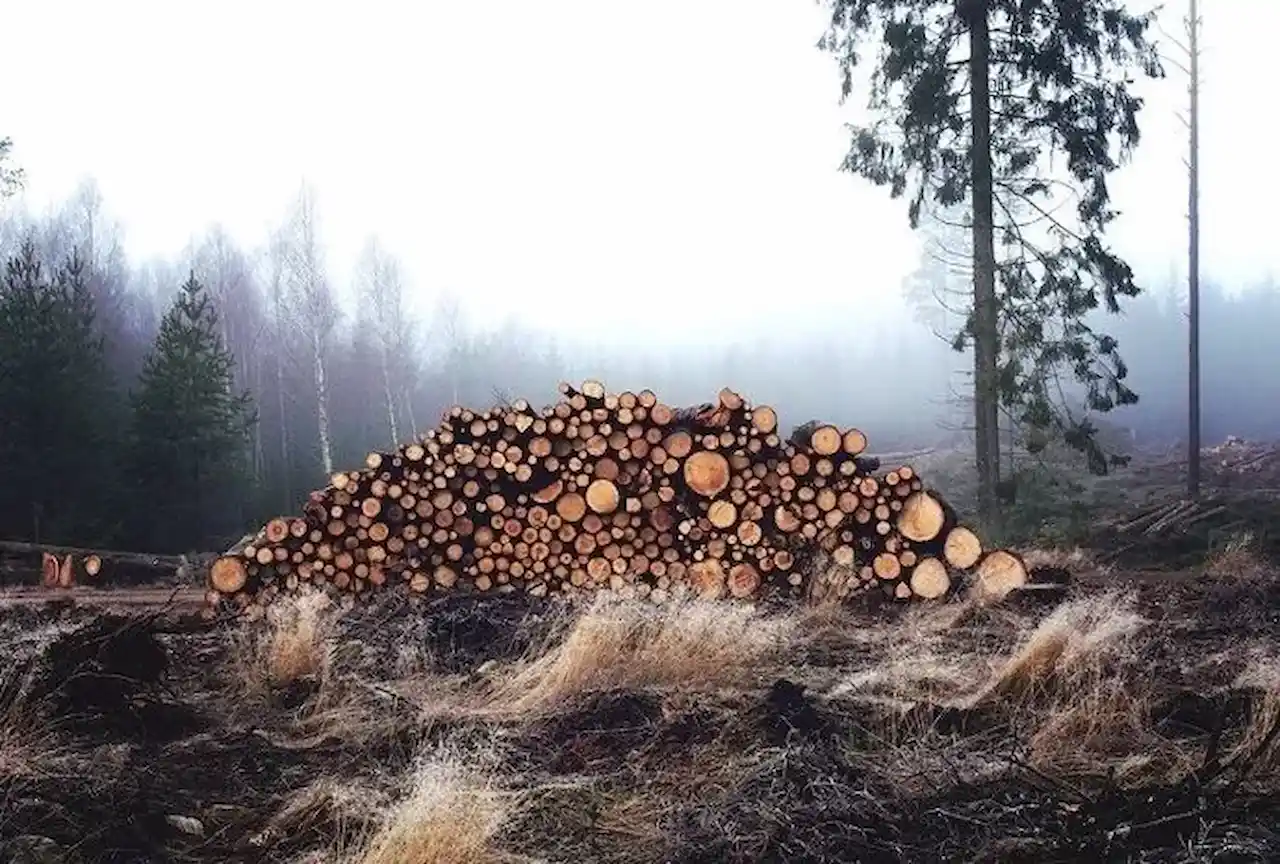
380,284
311,305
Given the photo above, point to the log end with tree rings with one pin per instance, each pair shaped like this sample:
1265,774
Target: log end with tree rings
962,548
998,573
744,580
228,574
571,507
707,579
825,440
707,473
764,419
922,517
853,442
602,496
722,514
929,579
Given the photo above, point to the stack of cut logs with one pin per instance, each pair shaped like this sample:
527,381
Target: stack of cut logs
618,491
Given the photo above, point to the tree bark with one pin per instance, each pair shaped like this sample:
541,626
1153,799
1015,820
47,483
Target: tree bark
986,334
386,392
1193,263
322,402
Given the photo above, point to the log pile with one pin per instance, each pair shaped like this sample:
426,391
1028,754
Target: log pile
622,492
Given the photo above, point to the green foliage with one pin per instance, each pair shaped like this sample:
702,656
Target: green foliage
1063,118
54,389
190,431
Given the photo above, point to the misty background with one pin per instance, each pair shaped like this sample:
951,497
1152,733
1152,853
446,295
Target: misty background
412,208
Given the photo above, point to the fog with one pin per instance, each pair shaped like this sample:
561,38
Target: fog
646,195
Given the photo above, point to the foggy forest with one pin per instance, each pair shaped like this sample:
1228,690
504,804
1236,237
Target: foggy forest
302,337
334,361
693,431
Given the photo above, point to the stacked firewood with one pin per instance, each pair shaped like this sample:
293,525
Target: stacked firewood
621,492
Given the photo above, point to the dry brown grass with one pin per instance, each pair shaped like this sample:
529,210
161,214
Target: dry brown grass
28,748
452,814
1237,559
1076,684
1259,745
293,644
1069,650
616,644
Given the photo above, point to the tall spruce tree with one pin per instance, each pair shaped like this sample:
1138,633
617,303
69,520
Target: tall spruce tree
54,386
1011,107
190,432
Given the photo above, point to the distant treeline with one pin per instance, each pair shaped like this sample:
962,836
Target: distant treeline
382,375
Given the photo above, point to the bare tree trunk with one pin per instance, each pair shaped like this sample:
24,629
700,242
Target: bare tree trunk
1193,256
408,410
985,310
259,455
386,391
322,404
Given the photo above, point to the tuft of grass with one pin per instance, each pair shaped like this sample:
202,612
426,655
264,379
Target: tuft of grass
1258,750
294,644
28,746
1070,651
620,644
1237,559
452,814
1076,685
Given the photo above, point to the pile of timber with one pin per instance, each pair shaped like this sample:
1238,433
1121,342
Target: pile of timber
621,492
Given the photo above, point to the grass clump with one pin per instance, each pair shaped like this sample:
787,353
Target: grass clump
293,646
452,814
615,644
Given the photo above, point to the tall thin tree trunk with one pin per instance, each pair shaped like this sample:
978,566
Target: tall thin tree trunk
408,410
391,402
1193,263
259,454
322,403
986,321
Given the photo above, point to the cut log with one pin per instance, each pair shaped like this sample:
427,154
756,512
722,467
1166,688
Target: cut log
962,548
602,496
998,573
228,574
707,473
744,580
929,579
826,440
707,579
922,517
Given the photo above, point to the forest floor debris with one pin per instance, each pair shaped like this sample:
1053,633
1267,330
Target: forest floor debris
1136,720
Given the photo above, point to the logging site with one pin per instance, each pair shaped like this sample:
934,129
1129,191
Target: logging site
787,432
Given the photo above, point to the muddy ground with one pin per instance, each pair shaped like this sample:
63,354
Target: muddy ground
130,735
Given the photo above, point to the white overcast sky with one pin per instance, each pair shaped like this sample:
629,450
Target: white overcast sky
560,160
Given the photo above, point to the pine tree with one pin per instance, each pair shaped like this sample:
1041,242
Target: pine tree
54,386
190,431
1012,108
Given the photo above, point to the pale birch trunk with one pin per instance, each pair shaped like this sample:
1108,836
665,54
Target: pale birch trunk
322,404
